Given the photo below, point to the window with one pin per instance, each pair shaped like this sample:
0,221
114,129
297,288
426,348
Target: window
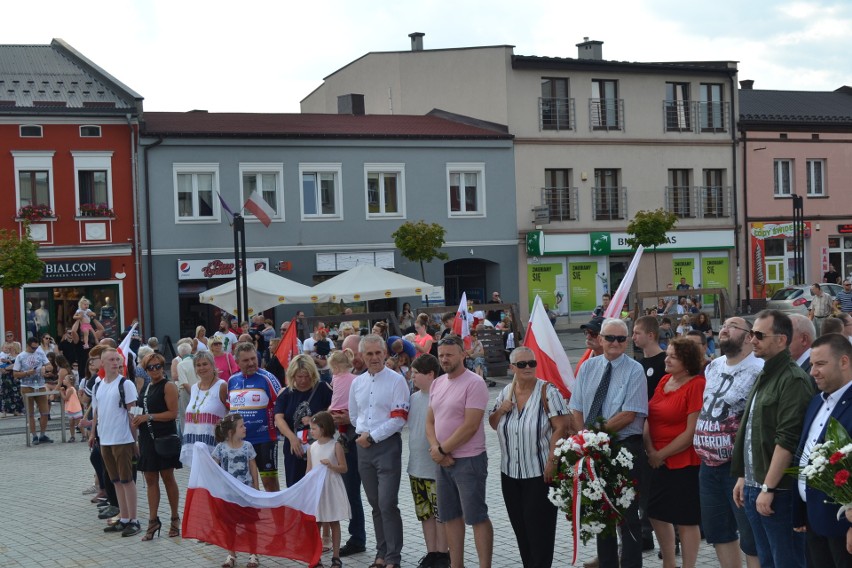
90,131
712,110
679,194
783,178
555,108
33,178
195,189
558,195
93,172
466,189
266,179
31,131
321,191
608,196
385,185
816,170
676,107
605,107
714,200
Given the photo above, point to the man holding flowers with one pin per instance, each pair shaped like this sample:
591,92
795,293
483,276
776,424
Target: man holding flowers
829,540
612,388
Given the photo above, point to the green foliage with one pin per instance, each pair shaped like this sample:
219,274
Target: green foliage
19,261
420,242
649,228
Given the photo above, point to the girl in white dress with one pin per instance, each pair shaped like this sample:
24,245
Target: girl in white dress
333,505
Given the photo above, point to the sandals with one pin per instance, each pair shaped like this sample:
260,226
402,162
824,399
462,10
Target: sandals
336,563
174,528
230,562
253,562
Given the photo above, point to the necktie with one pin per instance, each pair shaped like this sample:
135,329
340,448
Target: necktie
600,395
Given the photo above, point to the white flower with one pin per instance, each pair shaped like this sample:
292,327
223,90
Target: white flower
626,498
624,458
846,449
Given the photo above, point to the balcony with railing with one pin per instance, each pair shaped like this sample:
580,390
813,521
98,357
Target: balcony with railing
695,116
556,114
561,202
609,203
703,202
677,116
713,116
606,114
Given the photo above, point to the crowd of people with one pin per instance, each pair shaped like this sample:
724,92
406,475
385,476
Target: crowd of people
711,437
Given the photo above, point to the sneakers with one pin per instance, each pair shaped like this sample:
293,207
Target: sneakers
91,490
131,529
108,512
43,439
435,560
35,440
351,548
117,527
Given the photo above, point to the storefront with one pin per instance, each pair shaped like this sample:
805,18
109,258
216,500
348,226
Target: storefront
572,271
49,305
199,275
839,252
772,256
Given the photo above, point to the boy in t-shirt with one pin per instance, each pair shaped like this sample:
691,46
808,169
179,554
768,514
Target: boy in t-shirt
422,469
666,333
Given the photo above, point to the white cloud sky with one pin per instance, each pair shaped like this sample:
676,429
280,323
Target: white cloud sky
265,56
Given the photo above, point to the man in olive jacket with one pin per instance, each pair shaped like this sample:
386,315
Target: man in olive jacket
767,440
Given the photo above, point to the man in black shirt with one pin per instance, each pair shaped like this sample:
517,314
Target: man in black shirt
831,276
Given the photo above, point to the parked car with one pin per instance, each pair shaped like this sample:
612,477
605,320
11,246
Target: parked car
797,299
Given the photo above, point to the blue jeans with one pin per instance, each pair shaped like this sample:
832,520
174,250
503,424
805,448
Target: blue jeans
777,545
720,518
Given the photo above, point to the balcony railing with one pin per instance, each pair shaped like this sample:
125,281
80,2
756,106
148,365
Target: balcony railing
609,203
561,202
677,116
713,116
606,114
704,202
556,114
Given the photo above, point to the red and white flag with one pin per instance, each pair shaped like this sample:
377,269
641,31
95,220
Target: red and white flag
260,208
553,364
223,511
125,351
289,345
461,323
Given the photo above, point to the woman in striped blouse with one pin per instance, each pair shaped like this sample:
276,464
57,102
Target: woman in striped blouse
208,404
530,416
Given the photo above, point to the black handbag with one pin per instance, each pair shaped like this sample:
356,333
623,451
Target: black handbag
167,446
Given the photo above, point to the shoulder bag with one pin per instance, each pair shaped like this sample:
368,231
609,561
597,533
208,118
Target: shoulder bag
167,446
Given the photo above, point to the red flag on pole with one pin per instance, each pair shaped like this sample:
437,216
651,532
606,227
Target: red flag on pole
553,363
461,323
289,346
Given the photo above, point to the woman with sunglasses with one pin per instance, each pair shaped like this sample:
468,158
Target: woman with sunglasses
669,431
159,404
529,416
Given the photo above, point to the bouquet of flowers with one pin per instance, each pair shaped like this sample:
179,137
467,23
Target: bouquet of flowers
829,466
590,484
34,212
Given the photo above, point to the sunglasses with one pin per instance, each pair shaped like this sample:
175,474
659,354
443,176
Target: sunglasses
155,367
450,341
614,338
525,364
761,336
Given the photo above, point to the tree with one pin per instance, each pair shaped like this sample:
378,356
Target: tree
19,261
420,242
649,228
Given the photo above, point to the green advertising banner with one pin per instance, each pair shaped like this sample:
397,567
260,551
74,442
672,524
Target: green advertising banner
546,281
714,274
683,268
582,286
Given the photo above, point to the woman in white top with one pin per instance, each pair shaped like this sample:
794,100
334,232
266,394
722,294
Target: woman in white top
529,416
199,342
206,407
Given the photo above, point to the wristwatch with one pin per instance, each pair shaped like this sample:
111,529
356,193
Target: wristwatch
766,489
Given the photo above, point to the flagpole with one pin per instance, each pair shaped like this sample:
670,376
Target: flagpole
237,229
244,263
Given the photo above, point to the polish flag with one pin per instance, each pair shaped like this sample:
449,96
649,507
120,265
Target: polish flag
289,346
461,323
260,208
553,364
127,354
223,511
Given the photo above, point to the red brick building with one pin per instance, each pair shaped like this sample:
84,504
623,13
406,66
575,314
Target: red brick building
68,134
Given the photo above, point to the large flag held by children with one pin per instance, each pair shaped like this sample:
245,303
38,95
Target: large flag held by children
553,364
223,511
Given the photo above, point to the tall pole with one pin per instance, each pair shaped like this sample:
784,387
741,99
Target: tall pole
238,227
799,238
244,272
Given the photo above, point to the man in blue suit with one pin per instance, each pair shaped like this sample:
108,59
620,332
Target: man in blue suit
829,541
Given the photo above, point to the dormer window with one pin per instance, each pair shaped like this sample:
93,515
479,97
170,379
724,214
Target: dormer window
31,131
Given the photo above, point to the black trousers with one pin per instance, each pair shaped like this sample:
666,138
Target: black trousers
631,528
533,519
825,552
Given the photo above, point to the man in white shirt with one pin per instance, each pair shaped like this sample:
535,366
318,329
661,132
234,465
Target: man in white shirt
804,333
117,438
378,408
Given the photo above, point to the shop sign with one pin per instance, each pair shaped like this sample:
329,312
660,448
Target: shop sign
547,281
535,243
771,230
583,286
69,270
216,268
600,244
844,229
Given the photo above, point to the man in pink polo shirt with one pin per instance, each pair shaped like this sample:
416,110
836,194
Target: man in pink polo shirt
456,434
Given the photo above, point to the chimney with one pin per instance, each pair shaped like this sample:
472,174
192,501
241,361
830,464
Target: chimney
350,104
590,49
416,41
747,84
